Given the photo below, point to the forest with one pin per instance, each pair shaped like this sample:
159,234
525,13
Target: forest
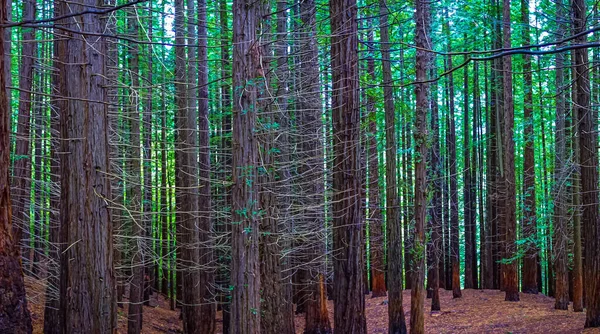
299,166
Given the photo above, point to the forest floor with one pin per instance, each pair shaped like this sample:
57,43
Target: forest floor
478,311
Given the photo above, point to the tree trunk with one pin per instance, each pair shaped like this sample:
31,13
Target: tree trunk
435,209
511,283
186,171
454,248
422,41
14,315
21,179
468,199
245,266
375,216
223,227
309,113
283,159
560,236
134,200
272,294
53,323
207,309
529,224
588,158
349,303
397,322
85,185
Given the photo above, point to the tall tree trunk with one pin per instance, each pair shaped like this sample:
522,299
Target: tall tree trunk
283,159
309,113
422,41
510,220
134,181
207,309
349,303
245,268
396,320
186,171
435,209
53,323
223,227
85,185
272,294
469,201
14,315
588,158
529,224
21,179
560,235
454,248
577,293
375,216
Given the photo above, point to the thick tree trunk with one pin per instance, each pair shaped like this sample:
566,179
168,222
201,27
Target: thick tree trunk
85,186
509,272
375,216
223,226
349,303
272,295
207,309
397,322
310,169
560,233
14,315
588,155
186,181
245,266
529,224
134,200
283,159
53,323
422,41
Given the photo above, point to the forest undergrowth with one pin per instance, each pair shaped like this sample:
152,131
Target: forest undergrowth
478,311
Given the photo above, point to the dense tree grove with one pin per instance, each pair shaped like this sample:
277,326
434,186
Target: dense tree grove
243,162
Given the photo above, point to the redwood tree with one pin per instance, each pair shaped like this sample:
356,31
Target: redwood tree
348,265
14,315
509,272
396,320
529,224
422,41
90,304
245,266
588,158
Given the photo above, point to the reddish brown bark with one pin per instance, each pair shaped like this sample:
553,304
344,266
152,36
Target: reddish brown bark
375,217
90,301
422,41
396,320
14,315
588,155
509,272
348,263
454,246
529,224
309,111
560,236
247,74
134,193
207,309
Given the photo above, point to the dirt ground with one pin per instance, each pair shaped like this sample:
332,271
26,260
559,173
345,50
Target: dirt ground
478,311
